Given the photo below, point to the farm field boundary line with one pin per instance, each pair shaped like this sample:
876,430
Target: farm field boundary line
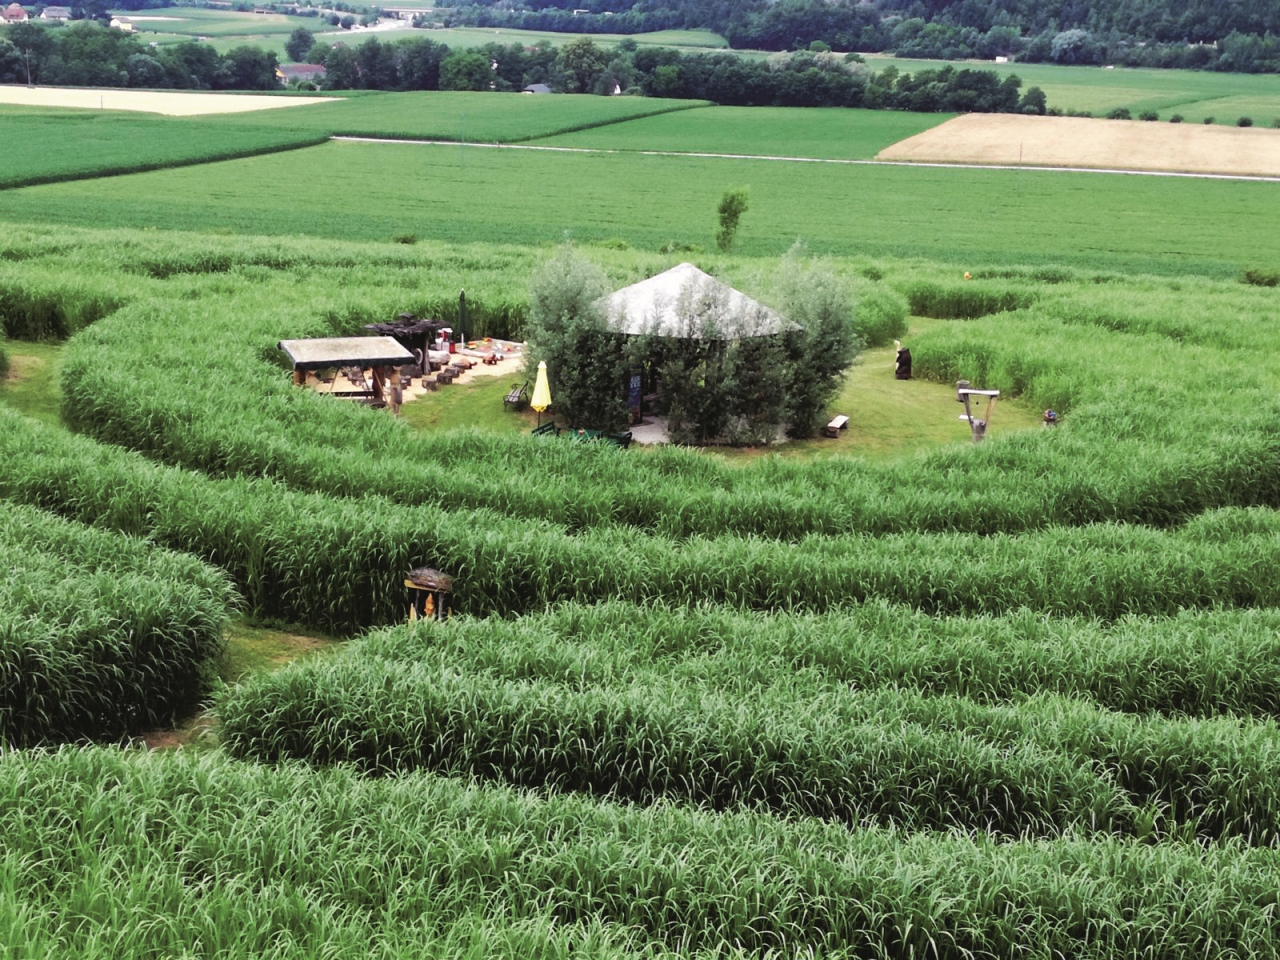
832,160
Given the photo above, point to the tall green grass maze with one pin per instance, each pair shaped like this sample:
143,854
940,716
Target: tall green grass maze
1010,699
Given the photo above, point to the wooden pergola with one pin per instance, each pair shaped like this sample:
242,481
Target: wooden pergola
411,333
382,355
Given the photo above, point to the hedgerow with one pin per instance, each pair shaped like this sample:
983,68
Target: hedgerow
1191,664
101,635
338,563
497,700
826,757
332,863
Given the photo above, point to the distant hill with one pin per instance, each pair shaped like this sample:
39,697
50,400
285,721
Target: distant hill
1239,35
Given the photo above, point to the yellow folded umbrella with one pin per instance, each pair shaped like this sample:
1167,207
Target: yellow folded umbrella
541,391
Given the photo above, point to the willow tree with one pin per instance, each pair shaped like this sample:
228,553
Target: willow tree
821,305
568,328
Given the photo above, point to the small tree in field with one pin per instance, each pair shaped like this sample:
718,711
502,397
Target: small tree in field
567,327
732,206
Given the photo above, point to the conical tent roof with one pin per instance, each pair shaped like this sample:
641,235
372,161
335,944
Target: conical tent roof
686,303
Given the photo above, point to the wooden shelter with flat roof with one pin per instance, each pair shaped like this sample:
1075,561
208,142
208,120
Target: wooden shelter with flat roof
382,355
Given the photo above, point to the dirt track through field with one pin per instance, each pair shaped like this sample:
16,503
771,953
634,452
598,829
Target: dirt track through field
822,160
1078,142
173,104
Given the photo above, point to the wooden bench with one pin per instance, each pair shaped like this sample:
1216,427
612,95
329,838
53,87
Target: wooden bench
518,396
837,424
548,429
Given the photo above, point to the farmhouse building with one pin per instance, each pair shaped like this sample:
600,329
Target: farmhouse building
14,14
123,23
55,13
286,73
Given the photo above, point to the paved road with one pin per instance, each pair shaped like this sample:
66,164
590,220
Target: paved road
864,163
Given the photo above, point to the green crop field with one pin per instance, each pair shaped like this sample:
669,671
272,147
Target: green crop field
778,131
191,22
114,142
468,37
474,117
273,43
463,194
894,694
224,29
52,145
1193,94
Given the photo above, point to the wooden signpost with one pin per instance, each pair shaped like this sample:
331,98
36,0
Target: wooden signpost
976,425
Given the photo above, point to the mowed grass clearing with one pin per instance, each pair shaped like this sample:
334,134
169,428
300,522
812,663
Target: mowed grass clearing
254,647
31,385
887,417
825,132
461,194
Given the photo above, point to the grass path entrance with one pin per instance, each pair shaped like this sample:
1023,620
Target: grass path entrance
31,385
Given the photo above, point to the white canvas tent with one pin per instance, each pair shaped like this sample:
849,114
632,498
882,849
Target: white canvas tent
686,303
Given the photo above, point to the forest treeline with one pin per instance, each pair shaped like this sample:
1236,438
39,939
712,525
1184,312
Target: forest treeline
88,54
1237,36
1241,36
799,79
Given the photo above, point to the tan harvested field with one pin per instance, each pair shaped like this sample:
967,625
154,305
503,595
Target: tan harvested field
171,103
984,138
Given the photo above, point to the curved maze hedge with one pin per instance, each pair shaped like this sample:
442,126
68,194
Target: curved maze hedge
101,635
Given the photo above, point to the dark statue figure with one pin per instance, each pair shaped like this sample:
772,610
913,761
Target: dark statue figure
903,369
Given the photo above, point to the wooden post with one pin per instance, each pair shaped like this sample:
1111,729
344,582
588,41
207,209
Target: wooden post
397,395
378,373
